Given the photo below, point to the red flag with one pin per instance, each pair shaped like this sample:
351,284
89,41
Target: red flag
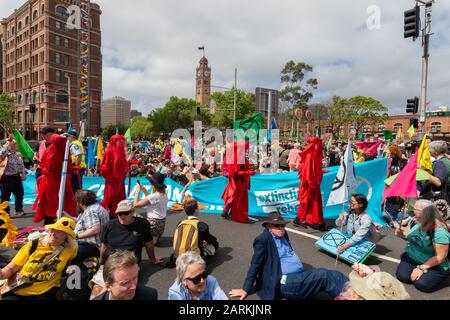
405,183
369,148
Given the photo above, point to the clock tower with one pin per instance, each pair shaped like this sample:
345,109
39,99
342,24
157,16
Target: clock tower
203,82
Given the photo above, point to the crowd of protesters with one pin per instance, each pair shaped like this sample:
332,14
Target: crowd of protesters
277,271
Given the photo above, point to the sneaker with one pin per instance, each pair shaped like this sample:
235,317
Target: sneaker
19,213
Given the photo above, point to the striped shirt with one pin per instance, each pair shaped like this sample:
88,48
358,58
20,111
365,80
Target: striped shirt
93,215
15,162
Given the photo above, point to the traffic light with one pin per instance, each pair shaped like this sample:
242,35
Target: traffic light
412,23
412,105
198,111
414,123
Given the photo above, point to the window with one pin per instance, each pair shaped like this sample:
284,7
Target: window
436,127
42,9
19,99
58,58
367,129
398,126
35,15
62,96
58,76
27,96
381,128
19,117
13,31
58,40
42,95
66,42
62,11
27,20
43,119
19,26
66,60
34,97
58,25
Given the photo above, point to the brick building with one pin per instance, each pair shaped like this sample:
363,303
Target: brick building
39,54
437,125
203,82
115,111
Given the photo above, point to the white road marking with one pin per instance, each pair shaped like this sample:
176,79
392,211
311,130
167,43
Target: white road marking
380,256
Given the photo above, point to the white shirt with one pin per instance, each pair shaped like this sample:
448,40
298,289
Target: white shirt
157,209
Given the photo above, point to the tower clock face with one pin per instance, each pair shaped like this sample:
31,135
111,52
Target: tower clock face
206,73
199,73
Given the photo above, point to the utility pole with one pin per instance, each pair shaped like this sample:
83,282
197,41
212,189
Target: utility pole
424,82
235,95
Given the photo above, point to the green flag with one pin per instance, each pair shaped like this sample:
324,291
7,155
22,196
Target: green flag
241,126
128,135
24,148
361,137
330,142
388,135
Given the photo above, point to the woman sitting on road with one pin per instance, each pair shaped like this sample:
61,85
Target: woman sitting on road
42,262
357,220
425,263
193,281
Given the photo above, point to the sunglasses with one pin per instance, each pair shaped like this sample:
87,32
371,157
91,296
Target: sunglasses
196,280
123,213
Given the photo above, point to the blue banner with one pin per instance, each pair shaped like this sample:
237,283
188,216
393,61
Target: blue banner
279,191
269,192
97,184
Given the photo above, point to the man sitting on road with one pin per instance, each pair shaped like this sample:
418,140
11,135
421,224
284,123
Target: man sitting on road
121,279
279,272
193,235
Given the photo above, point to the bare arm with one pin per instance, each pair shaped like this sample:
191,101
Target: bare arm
10,270
139,204
150,248
441,254
103,249
95,230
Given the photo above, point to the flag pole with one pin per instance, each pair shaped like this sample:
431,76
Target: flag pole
342,228
62,186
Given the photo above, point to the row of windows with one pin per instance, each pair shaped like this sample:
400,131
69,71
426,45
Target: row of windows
65,58
25,22
33,118
435,127
65,42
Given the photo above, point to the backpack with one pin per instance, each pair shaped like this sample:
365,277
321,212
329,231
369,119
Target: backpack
87,268
185,237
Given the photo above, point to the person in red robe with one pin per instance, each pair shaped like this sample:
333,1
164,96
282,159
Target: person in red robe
235,196
310,212
47,200
114,169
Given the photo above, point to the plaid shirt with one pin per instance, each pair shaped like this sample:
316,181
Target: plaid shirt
15,162
93,215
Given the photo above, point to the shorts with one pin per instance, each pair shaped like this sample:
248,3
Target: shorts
157,227
97,278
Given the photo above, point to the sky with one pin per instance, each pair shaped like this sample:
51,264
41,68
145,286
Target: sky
150,47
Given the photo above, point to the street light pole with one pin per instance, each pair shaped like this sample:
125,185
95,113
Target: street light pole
235,97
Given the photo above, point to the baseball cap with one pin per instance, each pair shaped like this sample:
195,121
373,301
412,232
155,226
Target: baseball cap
125,206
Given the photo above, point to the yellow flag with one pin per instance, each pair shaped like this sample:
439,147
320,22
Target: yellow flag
424,157
399,134
100,150
411,131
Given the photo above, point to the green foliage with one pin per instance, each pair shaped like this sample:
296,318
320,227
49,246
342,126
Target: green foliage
365,111
141,128
292,76
110,130
245,107
359,111
178,113
6,113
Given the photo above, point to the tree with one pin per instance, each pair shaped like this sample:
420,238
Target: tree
338,115
178,113
296,95
245,107
111,130
141,128
365,111
6,113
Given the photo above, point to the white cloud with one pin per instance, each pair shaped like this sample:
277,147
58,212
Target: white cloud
150,47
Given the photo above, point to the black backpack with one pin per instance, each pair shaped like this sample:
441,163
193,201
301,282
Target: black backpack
88,269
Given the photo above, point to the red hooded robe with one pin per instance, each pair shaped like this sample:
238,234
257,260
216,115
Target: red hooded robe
235,195
114,169
309,196
48,184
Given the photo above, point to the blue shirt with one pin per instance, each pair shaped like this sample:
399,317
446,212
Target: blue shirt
290,262
212,291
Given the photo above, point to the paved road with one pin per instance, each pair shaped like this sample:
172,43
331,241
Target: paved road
233,257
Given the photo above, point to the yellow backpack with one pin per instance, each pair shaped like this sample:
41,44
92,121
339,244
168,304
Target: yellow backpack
186,237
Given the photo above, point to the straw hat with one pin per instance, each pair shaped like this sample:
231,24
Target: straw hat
378,286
